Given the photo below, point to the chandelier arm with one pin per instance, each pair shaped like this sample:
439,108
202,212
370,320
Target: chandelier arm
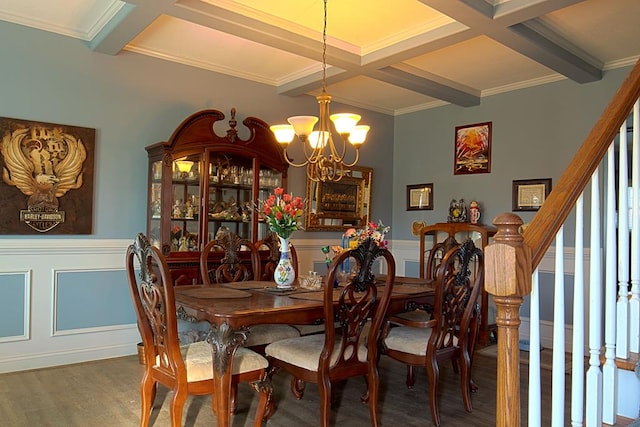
355,161
314,156
292,163
334,150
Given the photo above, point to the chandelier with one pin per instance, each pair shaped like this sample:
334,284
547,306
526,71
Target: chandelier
324,159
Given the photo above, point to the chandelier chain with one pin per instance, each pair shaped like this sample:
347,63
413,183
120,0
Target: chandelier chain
324,50
324,160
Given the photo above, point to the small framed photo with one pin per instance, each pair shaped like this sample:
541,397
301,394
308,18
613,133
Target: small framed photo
420,197
472,149
530,194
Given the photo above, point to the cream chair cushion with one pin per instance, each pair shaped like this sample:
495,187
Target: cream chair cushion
198,361
305,351
410,340
266,334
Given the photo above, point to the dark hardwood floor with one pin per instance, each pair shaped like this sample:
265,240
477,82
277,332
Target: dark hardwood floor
106,394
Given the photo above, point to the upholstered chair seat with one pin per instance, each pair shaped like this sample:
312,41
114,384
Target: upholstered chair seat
199,363
410,340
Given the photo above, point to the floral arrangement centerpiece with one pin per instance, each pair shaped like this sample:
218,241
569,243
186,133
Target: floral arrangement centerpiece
373,230
283,214
354,237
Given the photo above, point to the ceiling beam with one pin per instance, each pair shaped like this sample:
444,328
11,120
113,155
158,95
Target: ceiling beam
420,81
130,21
530,37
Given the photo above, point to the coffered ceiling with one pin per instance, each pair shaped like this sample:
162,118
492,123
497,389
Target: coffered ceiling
388,56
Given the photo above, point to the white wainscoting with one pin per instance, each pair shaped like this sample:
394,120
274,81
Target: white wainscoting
41,260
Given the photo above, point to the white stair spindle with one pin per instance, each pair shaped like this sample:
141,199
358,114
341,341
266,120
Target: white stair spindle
634,302
577,361
622,306
609,368
594,374
557,381
535,410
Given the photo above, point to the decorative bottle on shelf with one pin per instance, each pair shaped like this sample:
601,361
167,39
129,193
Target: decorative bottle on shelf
284,273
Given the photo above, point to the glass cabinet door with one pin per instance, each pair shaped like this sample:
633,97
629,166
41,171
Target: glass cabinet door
154,210
230,186
270,179
185,204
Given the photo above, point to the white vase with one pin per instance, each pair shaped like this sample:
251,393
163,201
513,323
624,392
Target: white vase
284,274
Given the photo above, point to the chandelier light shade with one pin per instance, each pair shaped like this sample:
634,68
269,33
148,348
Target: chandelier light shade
324,158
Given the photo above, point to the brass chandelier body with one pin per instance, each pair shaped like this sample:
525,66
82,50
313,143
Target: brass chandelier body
324,160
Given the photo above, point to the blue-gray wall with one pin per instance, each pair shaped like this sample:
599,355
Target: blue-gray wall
133,101
536,132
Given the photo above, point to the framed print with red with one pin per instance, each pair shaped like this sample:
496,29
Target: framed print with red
472,149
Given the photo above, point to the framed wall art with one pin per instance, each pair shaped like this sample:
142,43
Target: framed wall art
420,197
472,149
47,178
530,194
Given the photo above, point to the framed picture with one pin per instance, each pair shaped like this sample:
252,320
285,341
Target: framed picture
472,149
47,185
530,194
420,197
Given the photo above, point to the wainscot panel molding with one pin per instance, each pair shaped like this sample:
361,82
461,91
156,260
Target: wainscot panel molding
15,310
48,264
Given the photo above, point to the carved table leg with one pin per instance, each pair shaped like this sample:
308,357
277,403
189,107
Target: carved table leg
224,342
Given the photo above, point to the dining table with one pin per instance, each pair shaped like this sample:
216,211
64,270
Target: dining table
232,307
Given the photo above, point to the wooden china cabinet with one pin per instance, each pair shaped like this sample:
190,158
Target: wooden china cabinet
200,182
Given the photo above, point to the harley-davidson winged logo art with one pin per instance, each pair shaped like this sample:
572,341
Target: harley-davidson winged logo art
44,163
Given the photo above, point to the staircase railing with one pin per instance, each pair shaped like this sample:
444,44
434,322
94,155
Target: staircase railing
513,256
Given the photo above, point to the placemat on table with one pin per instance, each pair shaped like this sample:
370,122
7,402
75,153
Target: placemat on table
249,284
216,293
272,289
402,288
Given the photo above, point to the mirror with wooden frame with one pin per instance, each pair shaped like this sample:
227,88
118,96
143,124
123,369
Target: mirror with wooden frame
338,206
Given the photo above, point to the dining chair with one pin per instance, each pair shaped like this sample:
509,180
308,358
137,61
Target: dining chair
184,369
452,331
422,313
360,307
230,267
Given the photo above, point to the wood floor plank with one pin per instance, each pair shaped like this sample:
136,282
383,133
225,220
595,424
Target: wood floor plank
106,394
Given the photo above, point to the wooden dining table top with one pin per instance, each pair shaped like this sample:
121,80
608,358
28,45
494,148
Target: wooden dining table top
259,302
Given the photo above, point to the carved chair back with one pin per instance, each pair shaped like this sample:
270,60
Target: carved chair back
237,260
154,303
358,308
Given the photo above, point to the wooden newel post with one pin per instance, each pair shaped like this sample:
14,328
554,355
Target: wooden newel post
508,279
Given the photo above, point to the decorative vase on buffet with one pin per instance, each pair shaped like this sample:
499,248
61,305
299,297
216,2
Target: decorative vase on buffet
282,212
284,273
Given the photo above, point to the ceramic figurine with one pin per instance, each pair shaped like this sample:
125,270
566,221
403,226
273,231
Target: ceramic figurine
474,212
457,211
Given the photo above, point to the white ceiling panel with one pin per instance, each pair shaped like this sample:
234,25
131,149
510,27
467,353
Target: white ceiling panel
393,57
